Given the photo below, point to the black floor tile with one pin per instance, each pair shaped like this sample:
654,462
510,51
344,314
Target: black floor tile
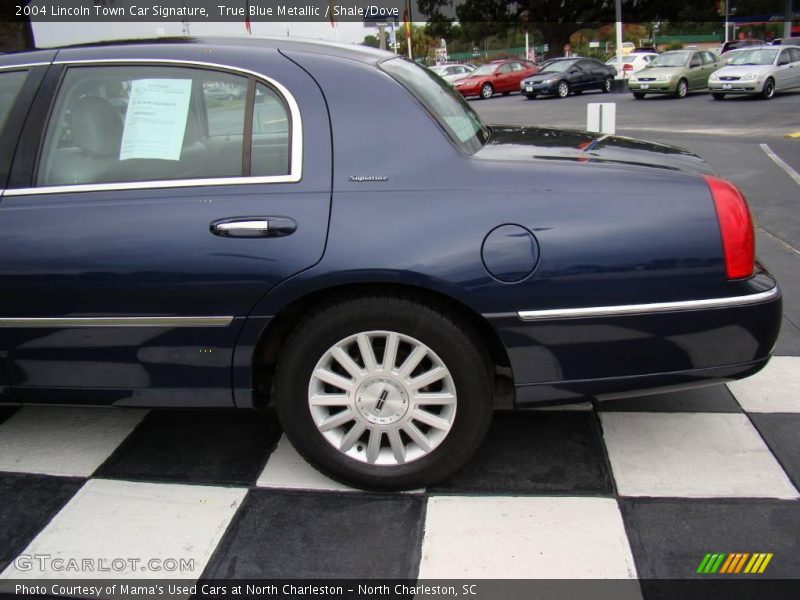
670,537
214,447
537,452
7,411
285,534
27,503
714,399
782,434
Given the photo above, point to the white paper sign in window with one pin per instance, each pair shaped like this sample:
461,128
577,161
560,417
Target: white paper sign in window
156,119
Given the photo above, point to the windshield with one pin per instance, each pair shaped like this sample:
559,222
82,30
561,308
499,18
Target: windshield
446,105
557,66
484,70
671,59
754,57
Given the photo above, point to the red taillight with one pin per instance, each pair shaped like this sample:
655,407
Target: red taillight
736,226
627,67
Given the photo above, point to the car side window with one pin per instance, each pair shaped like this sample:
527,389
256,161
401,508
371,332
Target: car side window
517,67
270,134
696,61
506,68
794,53
10,86
708,58
150,123
784,58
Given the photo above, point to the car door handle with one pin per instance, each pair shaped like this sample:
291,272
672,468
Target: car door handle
250,227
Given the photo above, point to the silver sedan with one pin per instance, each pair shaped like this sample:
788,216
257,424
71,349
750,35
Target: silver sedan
762,70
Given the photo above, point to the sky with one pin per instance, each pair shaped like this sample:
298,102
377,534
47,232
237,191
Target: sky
59,34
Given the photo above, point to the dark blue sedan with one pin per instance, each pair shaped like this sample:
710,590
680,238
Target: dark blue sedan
222,224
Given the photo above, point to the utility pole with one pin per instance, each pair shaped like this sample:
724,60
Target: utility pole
726,19
787,19
618,8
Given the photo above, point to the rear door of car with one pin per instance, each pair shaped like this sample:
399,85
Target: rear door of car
146,213
784,70
504,80
794,66
710,64
697,76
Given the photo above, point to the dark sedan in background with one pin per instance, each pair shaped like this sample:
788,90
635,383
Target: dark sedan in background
162,248
564,76
498,77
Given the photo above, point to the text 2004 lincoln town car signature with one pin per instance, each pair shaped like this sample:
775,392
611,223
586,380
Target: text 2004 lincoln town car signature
167,244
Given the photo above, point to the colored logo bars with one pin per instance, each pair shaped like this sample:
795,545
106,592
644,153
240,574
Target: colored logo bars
738,562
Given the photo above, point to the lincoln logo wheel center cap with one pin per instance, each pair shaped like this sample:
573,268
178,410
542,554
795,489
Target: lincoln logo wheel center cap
382,400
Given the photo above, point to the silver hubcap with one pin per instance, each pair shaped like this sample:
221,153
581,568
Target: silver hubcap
682,89
382,398
487,91
563,90
607,85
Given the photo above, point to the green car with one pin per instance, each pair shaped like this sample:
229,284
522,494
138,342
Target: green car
678,73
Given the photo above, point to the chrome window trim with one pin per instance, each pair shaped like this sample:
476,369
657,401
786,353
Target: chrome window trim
56,322
295,162
656,307
24,65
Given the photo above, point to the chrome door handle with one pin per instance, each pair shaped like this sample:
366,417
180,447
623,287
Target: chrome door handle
250,227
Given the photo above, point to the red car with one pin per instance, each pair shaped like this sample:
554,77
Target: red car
501,76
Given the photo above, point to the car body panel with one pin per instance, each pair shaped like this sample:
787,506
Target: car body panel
617,222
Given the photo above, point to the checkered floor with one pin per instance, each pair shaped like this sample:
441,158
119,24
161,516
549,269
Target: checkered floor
626,489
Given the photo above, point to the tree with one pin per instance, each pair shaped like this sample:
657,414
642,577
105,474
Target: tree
372,41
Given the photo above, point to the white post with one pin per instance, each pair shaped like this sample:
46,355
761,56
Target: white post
527,44
787,19
619,32
726,20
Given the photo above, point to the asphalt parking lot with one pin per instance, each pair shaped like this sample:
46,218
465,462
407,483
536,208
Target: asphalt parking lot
625,489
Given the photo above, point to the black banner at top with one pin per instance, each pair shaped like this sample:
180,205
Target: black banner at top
533,12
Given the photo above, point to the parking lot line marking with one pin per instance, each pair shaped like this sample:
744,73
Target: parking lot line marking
780,162
794,134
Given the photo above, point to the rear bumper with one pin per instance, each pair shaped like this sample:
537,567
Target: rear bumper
562,354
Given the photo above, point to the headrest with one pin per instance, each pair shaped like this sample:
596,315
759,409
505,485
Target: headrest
96,127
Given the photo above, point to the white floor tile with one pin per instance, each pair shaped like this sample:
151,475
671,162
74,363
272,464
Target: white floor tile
524,537
125,520
774,389
63,441
691,455
288,470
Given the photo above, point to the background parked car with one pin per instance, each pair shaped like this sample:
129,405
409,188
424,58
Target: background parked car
762,70
501,76
678,72
631,63
563,76
734,44
787,41
451,73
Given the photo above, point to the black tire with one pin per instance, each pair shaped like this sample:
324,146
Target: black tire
452,341
769,89
682,90
563,90
717,96
639,95
487,91
607,85
530,96
506,93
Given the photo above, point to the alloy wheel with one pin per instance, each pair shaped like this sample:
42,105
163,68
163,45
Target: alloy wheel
383,398
563,89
